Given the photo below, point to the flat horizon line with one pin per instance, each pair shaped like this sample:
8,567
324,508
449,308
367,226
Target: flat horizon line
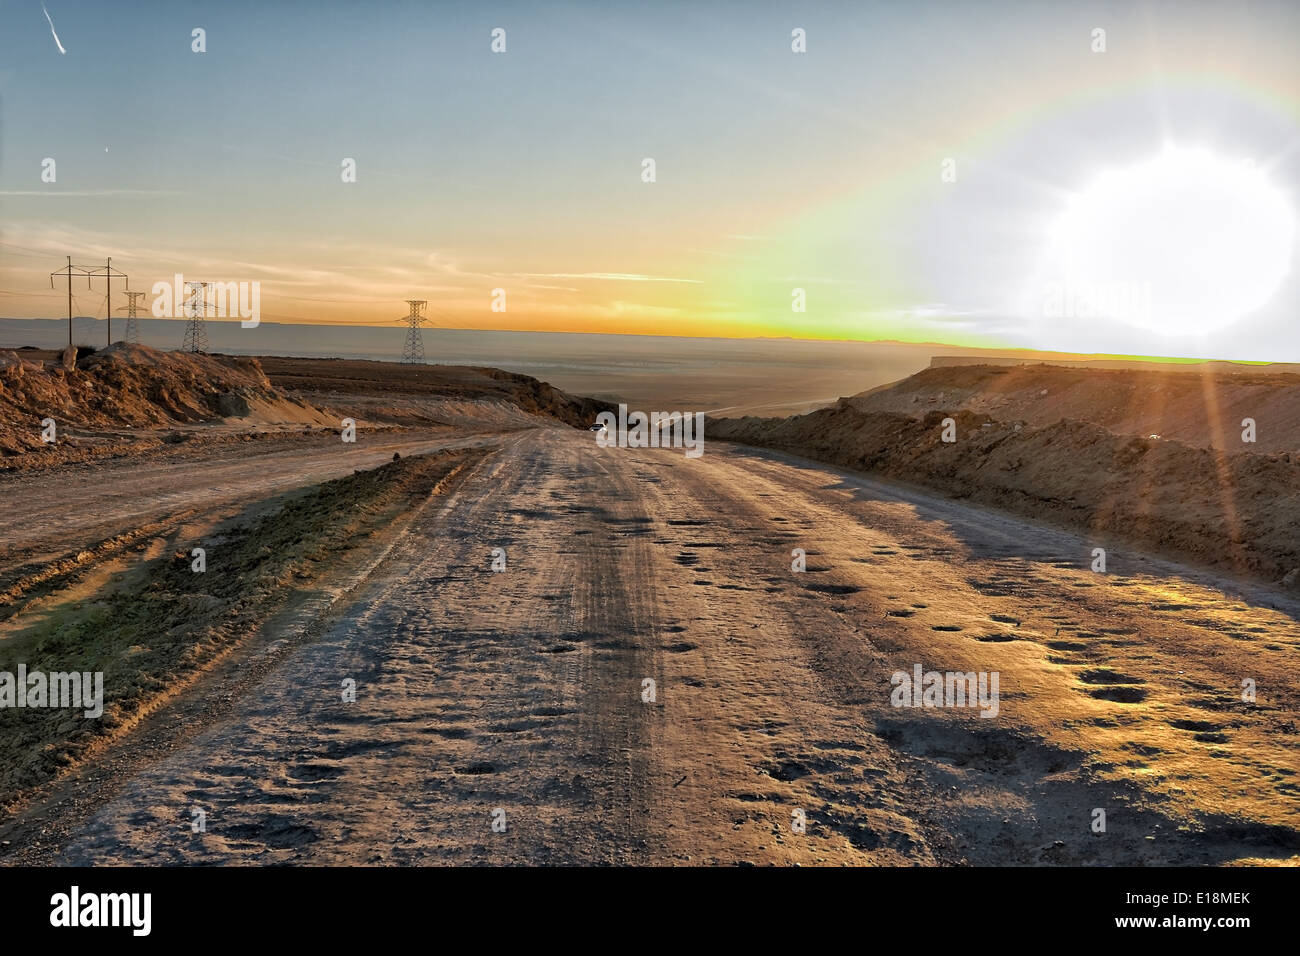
997,351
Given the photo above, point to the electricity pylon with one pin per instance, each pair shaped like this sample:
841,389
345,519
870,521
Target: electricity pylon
109,273
70,270
413,350
132,336
196,306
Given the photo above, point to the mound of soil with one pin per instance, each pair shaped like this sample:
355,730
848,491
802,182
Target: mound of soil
1233,511
138,387
414,394
1198,405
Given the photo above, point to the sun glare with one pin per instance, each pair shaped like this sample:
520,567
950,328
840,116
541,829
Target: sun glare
1184,243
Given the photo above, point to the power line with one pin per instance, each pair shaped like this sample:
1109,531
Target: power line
448,321
108,272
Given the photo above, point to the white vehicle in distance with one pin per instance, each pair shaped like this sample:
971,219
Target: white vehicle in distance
598,427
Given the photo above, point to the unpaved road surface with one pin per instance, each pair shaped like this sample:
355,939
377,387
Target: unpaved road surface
520,698
104,496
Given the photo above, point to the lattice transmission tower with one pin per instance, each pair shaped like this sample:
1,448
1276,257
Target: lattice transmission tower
196,307
132,309
413,350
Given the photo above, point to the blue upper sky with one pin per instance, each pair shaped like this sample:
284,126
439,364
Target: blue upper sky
775,170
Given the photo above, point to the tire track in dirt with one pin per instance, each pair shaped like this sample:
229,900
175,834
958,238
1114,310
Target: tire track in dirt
521,690
112,493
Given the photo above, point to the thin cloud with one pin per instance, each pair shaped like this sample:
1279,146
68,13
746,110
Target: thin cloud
723,255
609,276
91,192
931,312
824,280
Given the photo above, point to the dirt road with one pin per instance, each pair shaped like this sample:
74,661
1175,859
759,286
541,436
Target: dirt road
100,498
506,717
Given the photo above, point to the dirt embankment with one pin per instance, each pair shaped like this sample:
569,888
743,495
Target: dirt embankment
424,394
129,399
1203,406
1236,511
132,387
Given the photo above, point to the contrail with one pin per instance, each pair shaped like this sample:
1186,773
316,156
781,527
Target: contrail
52,30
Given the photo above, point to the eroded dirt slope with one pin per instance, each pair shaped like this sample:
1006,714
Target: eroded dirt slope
1199,406
125,397
417,394
1235,510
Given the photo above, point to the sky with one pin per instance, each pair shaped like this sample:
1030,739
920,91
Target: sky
916,174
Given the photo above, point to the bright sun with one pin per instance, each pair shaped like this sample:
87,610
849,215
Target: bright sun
1184,243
